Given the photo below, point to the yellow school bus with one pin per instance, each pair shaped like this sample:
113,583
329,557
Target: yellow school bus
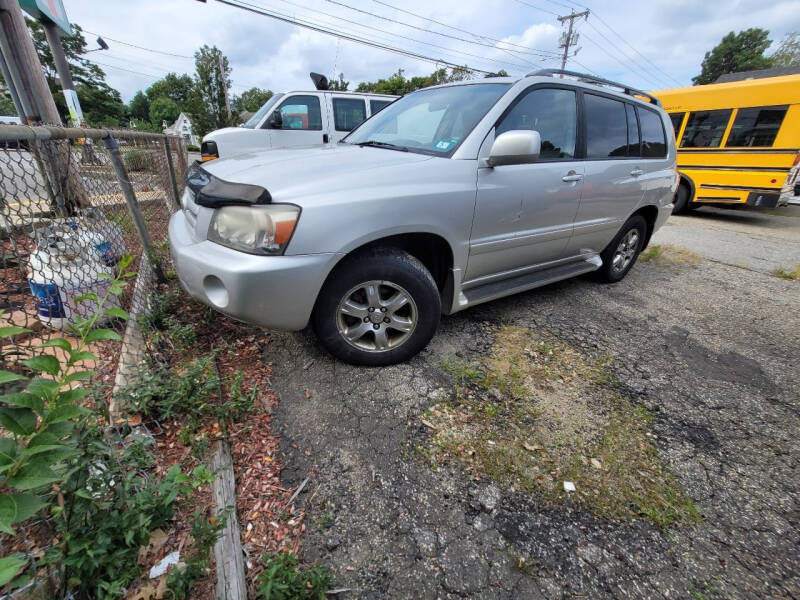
736,141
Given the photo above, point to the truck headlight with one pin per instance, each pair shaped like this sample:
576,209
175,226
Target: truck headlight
257,230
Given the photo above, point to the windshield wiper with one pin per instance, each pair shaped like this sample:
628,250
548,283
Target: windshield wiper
376,144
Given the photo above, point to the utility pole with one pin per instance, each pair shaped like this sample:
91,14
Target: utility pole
224,87
569,39
62,68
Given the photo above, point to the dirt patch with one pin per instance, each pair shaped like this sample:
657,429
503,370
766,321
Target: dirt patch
540,416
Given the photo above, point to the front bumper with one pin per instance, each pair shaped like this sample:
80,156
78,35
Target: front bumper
277,292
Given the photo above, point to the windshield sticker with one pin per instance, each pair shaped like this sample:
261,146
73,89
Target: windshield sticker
443,145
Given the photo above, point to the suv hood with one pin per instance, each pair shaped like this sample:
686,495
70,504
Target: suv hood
293,174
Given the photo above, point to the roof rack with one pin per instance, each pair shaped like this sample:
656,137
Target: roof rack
592,79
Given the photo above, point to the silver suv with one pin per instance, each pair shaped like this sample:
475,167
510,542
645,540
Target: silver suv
449,197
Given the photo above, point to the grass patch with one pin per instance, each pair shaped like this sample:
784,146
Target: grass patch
792,275
670,256
537,412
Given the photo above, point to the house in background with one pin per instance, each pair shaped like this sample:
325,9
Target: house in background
183,127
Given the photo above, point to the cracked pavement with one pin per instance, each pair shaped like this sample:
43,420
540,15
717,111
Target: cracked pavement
710,350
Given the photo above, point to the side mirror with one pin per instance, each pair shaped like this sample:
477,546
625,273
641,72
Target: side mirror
276,120
517,147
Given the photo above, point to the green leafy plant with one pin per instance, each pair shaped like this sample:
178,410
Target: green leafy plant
58,459
205,531
282,579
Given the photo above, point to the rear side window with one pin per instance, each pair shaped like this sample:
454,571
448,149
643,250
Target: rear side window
705,128
677,121
551,112
654,140
348,113
376,106
634,139
606,127
301,112
756,126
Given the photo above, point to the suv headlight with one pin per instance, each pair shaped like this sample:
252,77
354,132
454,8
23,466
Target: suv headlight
257,230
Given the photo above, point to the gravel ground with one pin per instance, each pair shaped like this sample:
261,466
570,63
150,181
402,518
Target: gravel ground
709,349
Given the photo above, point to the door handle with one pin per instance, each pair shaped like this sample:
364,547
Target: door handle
572,176
637,172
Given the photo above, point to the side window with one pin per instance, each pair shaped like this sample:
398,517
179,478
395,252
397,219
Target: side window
654,140
677,121
376,106
705,128
606,127
756,126
634,137
551,112
301,112
348,113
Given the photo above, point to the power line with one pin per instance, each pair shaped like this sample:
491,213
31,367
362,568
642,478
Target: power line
271,14
373,28
139,47
646,74
637,51
447,35
625,66
477,35
528,4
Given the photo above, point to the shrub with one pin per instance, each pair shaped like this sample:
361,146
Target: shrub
139,160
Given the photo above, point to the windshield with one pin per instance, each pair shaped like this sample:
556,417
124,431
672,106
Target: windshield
433,121
253,121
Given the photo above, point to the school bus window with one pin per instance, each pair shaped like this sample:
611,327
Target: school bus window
756,126
677,120
705,128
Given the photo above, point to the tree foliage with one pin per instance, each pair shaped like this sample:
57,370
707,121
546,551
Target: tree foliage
743,51
175,87
339,85
788,52
163,110
251,100
139,106
397,84
212,79
100,102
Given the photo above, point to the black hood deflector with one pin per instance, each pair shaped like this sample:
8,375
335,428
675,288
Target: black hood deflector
213,192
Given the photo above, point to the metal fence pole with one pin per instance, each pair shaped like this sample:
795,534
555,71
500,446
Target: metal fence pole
175,199
127,190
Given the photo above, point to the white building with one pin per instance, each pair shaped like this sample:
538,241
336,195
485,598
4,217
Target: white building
183,127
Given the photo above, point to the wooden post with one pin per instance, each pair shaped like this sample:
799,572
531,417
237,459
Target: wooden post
228,554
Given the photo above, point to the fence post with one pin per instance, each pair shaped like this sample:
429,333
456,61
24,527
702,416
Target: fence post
127,190
175,199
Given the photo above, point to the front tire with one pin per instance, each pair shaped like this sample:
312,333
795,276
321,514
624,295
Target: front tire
621,254
377,308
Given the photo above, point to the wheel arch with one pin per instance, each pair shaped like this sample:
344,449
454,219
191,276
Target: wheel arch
650,214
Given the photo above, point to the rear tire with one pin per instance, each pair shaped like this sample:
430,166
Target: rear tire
682,203
377,308
621,254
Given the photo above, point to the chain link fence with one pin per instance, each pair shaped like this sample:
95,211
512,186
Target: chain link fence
72,203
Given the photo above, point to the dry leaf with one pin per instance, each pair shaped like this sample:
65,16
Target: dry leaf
531,447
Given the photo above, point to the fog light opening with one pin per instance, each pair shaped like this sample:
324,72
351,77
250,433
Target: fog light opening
215,291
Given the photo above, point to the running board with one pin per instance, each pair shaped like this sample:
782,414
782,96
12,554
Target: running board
528,281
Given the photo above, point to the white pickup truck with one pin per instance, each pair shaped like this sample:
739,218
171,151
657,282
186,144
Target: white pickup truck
295,119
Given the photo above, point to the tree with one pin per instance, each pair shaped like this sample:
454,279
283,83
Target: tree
397,84
175,87
7,107
743,51
788,52
100,102
139,107
251,100
163,109
212,80
339,85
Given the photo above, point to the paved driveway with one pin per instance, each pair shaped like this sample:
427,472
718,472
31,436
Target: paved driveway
709,349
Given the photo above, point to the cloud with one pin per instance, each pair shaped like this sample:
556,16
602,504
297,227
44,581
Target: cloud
671,34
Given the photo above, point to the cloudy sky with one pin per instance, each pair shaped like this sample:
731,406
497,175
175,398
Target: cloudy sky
655,44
